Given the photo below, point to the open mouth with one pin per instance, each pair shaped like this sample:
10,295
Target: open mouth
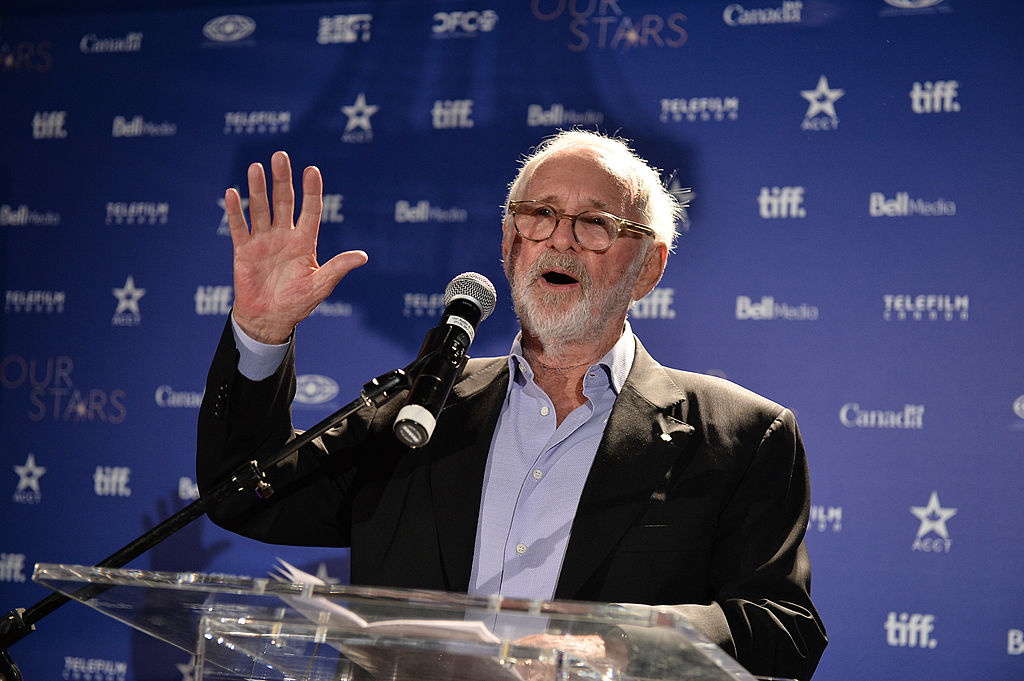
559,279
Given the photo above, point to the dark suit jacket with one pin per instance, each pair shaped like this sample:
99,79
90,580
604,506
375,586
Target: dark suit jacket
698,497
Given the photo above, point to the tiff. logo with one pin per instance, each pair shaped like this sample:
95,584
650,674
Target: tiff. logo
781,202
12,566
910,631
112,481
937,97
452,113
49,125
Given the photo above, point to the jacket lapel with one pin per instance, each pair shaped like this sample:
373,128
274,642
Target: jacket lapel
458,459
642,442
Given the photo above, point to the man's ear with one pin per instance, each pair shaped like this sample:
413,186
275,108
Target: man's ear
651,271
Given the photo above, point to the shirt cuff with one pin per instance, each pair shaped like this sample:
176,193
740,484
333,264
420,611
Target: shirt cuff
256,360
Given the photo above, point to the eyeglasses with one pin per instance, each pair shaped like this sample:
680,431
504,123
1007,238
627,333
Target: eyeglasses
594,230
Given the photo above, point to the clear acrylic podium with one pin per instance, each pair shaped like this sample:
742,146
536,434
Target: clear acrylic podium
268,629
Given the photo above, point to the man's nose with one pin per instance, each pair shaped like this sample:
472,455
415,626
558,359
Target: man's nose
562,238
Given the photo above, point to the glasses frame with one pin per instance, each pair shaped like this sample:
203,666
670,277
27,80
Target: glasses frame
622,224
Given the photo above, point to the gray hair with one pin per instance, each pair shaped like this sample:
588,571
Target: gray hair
659,207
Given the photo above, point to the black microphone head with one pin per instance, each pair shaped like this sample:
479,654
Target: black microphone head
475,288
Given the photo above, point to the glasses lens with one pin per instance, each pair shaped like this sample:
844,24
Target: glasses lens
534,220
595,230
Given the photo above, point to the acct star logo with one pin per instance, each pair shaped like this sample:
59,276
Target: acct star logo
127,312
821,106
27,491
358,129
933,519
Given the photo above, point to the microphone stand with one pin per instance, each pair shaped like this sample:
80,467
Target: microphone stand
20,622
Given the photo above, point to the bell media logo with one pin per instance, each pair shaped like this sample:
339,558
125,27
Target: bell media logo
25,216
821,106
932,534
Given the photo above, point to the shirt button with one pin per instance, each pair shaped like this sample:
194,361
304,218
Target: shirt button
537,474
520,548
544,410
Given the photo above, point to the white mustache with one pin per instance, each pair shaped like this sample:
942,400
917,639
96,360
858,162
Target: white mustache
563,262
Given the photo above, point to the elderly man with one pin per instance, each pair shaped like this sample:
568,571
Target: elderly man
576,467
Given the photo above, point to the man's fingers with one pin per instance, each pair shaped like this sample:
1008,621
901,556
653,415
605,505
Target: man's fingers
312,200
284,193
236,221
337,267
259,209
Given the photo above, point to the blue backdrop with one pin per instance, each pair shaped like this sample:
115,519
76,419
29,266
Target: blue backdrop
854,253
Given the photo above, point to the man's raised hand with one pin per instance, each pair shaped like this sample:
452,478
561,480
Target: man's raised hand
277,279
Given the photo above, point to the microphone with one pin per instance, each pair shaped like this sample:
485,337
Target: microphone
469,299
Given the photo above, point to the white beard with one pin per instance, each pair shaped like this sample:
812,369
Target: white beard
574,316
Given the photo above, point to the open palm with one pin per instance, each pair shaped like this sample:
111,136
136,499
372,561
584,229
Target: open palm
278,281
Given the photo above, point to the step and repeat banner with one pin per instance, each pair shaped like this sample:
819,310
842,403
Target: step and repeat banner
854,252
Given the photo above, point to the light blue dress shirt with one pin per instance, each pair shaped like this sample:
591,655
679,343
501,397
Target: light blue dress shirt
535,469
535,476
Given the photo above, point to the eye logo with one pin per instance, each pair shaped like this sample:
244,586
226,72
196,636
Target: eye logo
315,389
229,28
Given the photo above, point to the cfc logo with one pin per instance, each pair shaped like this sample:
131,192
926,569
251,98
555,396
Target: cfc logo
450,24
910,631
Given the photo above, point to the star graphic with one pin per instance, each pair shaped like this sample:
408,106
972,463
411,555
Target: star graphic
29,474
359,114
128,297
822,99
933,517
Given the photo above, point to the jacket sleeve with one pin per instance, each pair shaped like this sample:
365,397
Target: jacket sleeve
242,420
762,612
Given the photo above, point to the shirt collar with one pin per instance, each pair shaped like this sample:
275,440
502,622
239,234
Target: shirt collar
616,363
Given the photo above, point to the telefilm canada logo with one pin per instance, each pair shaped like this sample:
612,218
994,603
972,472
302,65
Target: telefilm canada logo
926,307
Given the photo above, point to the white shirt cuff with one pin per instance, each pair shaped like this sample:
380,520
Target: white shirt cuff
256,360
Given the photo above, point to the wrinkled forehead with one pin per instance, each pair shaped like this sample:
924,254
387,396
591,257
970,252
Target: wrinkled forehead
582,176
